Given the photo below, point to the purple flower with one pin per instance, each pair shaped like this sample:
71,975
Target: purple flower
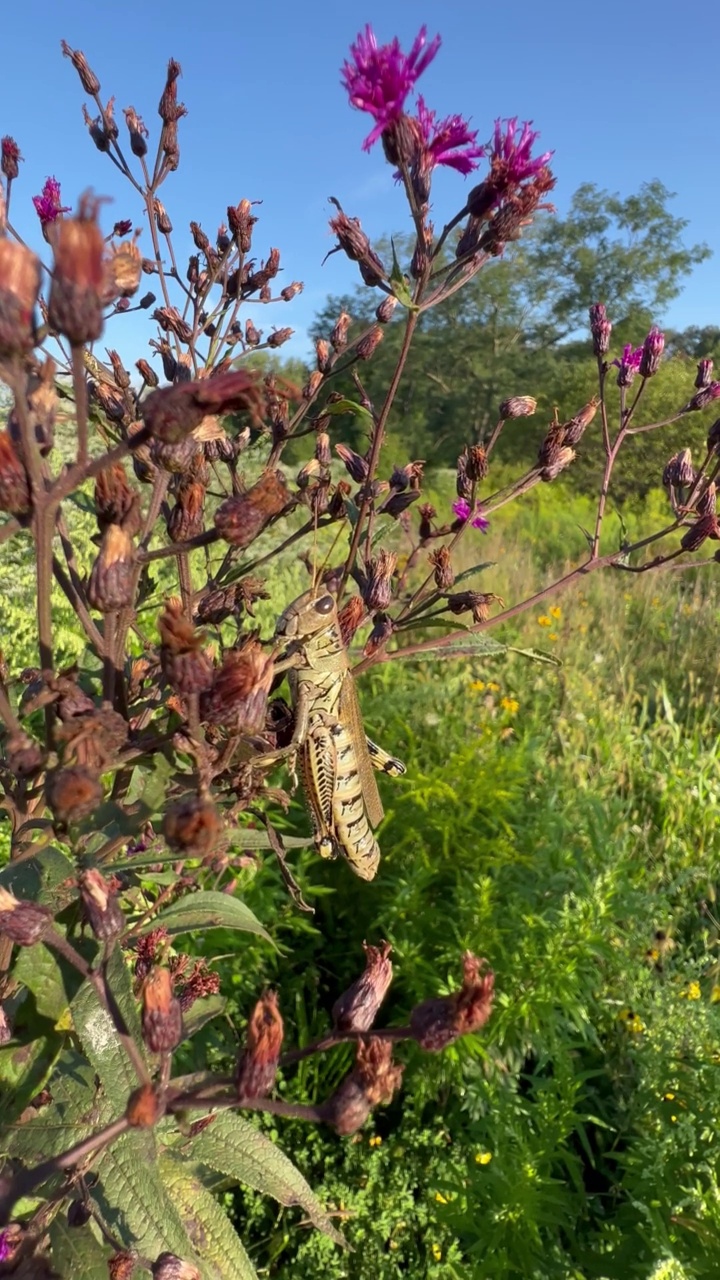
450,142
652,350
628,364
378,79
47,204
511,164
463,511
514,156
5,1246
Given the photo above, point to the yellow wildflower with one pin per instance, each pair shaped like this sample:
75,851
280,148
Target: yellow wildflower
544,621
674,1119
582,629
441,1199
436,1252
477,686
635,1024
691,992
510,704
483,1157
552,635
375,1142
555,612
669,1097
493,687
394,1244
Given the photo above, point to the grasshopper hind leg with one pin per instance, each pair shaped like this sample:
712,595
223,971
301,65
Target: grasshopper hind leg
384,762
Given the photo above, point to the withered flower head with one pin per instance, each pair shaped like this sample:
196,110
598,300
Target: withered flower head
291,290
601,328
75,305
111,581
558,459
144,1107
186,518
122,1265
88,79
223,603
185,666
379,636
19,289
14,484
384,312
162,1025
437,1022
115,502
192,827
198,984
378,590
679,469
427,514
350,617
338,337
576,427
23,755
707,502
169,1267
122,271
238,697
476,601
279,337
518,407
357,1008
101,905
137,130
177,457
368,345
354,464
353,241
241,222
257,1065
442,566
705,527
374,1080
242,517
72,793
173,412
9,158
313,385
169,109
24,923
703,378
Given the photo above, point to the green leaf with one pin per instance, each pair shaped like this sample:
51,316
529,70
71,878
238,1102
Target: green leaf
96,1030
24,1069
201,1012
223,1254
53,986
536,655
39,878
474,646
476,568
77,1251
399,283
236,1148
239,837
208,910
78,1108
349,406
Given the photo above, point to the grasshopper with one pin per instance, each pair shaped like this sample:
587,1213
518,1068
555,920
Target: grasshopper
335,758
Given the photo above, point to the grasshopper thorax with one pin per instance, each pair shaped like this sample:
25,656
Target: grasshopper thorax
307,616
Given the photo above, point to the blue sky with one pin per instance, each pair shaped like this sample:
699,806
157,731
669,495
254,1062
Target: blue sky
622,93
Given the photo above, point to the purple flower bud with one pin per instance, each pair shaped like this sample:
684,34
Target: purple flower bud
628,365
704,374
600,328
652,350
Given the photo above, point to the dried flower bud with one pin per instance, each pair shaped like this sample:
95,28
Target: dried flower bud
72,794
436,1023
79,1213
576,427
257,1066
14,484
122,272
339,335
600,328
76,302
518,407
350,617
115,502
242,517
144,1107
702,398
707,502
162,1025
9,158
192,827
652,350
384,312
101,905
427,514
442,566
137,131
177,458
147,373
354,464
477,602
560,459
169,1267
88,79
291,290
679,470
24,923
705,527
313,385
120,373
374,1079
252,335
322,448
322,354
368,345
353,241
111,581
379,636
241,223
238,697
169,109
184,664
704,374
357,1008
19,288
279,336
378,590
173,412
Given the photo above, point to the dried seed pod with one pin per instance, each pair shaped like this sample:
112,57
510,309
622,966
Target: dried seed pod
368,345
408,476
176,457
186,518
101,905
72,793
279,337
442,566
173,412
384,311
24,757
14,484
339,335
374,1079
377,593
356,466
357,1008
477,602
558,460
517,407
162,1024
427,514
436,1023
121,1266
703,377
241,222
576,427
313,385
241,518
705,527
238,697
184,664
192,827
115,501
88,79
111,581
601,328
19,289
93,740
679,470
379,636
353,241
24,923
75,305
258,1062
707,502
144,1108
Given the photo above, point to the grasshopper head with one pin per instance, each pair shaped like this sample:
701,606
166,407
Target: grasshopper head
306,616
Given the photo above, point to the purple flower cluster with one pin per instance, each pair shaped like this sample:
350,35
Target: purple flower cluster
464,511
451,142
47,204
512,154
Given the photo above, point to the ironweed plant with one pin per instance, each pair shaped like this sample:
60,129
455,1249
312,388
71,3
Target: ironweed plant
137,781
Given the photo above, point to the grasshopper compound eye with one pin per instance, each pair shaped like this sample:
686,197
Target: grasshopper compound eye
325,605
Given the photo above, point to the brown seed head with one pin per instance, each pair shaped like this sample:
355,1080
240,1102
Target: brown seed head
558,459
186,520
173,412
241,222
9,158
239,694
378,590
241,518
122,1265
313,385
76,292
162,1025
354,242
122,271
279,336
101,905
169,1267
115,502
442,566
19,289
356,466
705,527
350,617
679,470
169,109
476,601
144,1108
257,1066
368,345
72,793
322,354
14,484
374,1080
192,827
379,636
111,581
339,335
384,312
88,79
707,502
518,407
576,427
24,923
185,666
357,1008
436,1023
